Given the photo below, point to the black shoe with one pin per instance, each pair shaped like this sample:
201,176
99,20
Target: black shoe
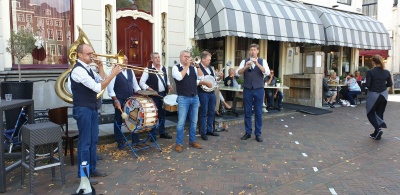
212,134
245,136
98,174
331,105
373,135
165,136
121,145
378,135
258,138
204,137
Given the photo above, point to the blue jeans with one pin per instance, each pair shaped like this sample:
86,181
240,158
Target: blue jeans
161,115
349,95
270,97
88,127
187,105
253,98
207,111
117,133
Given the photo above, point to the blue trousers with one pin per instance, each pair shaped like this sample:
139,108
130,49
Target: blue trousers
270,97
349,95
117,134
161,115
207,111
187,106
88,127
253,98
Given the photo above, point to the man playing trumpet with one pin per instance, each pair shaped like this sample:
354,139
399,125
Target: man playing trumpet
85,84
121,88
187,78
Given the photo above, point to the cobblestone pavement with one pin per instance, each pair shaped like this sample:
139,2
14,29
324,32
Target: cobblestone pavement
301,154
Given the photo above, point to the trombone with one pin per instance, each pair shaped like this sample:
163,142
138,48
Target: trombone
120,59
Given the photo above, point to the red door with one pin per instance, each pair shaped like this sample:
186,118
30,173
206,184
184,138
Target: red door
135,38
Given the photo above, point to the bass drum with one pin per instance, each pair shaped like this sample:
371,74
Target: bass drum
142,114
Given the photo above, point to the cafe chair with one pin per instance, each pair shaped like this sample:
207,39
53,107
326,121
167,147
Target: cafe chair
364,92
60,117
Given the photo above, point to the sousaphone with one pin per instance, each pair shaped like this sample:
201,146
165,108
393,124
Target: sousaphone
60,85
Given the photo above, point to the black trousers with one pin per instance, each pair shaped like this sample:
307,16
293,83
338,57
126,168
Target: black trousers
377,111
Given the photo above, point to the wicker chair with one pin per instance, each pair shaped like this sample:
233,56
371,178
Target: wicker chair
60,117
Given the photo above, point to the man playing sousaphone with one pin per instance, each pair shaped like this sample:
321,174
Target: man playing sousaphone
208,99
121,88
160,84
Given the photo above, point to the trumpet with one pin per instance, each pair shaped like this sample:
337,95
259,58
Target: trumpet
194,62
120,62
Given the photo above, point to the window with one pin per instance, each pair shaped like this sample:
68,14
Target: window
59,35
50,34
49,22
29,18
59,49
58,23
370,8
41,23
21,18
346,2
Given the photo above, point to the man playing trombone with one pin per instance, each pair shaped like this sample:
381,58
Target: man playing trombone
121,88
85,84
160,84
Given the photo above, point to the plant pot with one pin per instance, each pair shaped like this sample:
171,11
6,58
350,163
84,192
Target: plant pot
278,84
19,90
28,59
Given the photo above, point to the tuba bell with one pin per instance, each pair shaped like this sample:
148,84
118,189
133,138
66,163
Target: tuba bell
59,86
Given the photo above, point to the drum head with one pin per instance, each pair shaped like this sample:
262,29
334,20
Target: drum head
171,99
142,113
210,79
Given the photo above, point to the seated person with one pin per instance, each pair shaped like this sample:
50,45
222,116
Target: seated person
328,93
353,89
230,81
271,94
357,75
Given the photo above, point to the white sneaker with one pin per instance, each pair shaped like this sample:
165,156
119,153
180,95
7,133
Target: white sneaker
353,106
264,106
264,110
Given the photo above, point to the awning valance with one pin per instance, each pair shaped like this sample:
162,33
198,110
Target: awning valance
353,30
383,53
277,20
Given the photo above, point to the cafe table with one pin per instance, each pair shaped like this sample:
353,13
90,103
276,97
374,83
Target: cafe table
7,105
338,86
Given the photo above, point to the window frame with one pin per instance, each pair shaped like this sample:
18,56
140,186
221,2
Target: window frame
348,2
47,66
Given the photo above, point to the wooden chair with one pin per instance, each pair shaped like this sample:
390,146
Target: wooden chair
60,117
364,92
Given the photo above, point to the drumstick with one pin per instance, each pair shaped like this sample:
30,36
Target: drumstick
123,115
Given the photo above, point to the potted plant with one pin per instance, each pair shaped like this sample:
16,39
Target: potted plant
19,45
278,82
240,81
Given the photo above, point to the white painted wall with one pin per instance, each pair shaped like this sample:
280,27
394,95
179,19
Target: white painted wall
356,5
5,58
180,31
395,52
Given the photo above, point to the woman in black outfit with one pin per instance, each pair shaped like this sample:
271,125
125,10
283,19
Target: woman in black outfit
377,81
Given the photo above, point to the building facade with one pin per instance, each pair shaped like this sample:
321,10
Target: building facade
137,27
299,39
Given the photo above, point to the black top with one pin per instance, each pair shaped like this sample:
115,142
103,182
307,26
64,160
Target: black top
188,85
228,81
83,96
378,80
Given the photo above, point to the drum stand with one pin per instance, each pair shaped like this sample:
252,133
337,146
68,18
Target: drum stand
142,144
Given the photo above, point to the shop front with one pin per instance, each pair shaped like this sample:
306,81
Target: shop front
289,35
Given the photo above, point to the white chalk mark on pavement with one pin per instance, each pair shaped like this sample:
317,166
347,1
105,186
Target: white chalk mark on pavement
333,192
